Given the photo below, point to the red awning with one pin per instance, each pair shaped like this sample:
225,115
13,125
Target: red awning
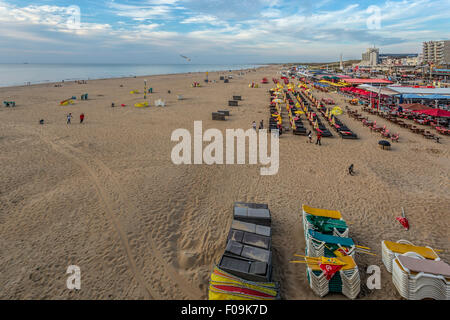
371,81
414,106
435,113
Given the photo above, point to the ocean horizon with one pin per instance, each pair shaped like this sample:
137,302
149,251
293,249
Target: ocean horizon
37,73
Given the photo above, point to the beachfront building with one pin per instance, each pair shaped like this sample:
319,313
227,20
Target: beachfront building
437,52
371,57
391,60
439,97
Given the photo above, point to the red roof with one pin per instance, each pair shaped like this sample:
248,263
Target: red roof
361,81
414,106
435,112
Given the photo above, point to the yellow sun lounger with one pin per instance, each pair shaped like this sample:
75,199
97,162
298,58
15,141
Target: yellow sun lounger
224,286
391,249
322,212
347,262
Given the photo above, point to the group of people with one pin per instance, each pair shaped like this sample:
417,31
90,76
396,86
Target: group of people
319,137
261,125
69,118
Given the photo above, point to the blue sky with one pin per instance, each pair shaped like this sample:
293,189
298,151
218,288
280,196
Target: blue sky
215,31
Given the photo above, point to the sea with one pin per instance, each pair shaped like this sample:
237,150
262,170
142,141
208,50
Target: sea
24,74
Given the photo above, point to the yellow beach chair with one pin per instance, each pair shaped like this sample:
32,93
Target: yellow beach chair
307,210
224,286
390,250
321,212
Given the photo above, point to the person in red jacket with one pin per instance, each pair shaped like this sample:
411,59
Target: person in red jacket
81,118
319,137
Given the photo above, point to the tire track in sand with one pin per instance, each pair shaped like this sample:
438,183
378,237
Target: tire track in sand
106,200
188,289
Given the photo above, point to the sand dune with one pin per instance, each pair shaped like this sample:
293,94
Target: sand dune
105,195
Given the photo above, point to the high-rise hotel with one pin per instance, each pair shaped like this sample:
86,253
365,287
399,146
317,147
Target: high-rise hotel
437,52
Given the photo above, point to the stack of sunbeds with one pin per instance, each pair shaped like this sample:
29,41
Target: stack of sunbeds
417,271
328,246
418,279
390,250
345,281
245,269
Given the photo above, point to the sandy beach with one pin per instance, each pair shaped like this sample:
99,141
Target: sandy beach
105,196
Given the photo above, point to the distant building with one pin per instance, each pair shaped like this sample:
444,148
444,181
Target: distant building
402,59
437,52
371,57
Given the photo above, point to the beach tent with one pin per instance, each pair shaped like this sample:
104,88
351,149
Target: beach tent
435,113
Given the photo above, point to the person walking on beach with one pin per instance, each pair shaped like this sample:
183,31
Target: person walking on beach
261,124
81,118
254,125
350,170
310,136
69,117
280,129
319,138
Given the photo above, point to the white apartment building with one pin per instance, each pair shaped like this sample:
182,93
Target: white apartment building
436,52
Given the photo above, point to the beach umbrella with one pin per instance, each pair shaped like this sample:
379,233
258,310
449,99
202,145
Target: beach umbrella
384,144
337,111
403,220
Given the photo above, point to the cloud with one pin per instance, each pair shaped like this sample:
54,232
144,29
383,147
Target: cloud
213,28
202,19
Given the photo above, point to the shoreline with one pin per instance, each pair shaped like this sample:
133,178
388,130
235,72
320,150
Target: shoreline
51,83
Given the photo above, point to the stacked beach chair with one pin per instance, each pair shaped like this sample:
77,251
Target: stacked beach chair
244,271
390,250
417,272
328,247
418,279
345,281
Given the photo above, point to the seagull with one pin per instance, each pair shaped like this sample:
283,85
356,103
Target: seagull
188,59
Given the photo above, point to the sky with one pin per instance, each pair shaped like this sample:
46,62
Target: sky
215,31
